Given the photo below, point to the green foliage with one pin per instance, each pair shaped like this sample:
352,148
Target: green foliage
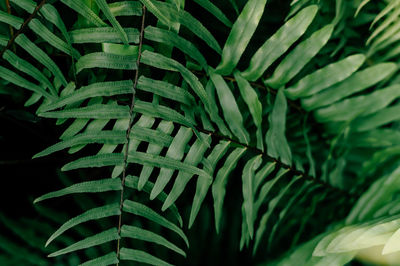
291,128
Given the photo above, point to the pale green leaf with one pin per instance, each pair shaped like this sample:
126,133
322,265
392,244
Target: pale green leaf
165,89
252,100
126,8
163,112
36,26
3,40
92,214
80,7
104,137
279,43
110,258
382,117
144,211
95,240
102,35
166,127
272,204
295,61
20,81
108,88
175,152
263,173
356,83
119,49
169,15
40,56
99,111
173,39
141,256
193,157
204,184
146,235
230,108
248,190
106,60
97,186
28,5
133,182
99,160
102,4
219,186
277,145
29,69
52,15
12,20
160,61
268,187
213,9
370,103
325,77
160,161
240,35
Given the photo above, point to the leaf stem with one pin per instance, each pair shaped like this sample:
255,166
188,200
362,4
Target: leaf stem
128,131
11,28
280,164
23,27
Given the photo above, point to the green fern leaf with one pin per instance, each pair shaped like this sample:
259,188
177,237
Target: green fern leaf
169,14
145,235
325,77
160,61
204,184
299,57
106,60
40,56
144,211
11,20
95,240
20,81
141,256
172,39
133,182
253,103
166,128
28,5
193,157
357,82
210,7
275,46
36,26
239,37
248,190
219,185
230,109
102,4
93,214
99,160
102,185
370,103
110,258
165,89
85,11
275,138
100,111
97,89
125,8
102,35
29,69
175,152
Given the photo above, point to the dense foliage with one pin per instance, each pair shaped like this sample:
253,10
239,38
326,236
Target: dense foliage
200,132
